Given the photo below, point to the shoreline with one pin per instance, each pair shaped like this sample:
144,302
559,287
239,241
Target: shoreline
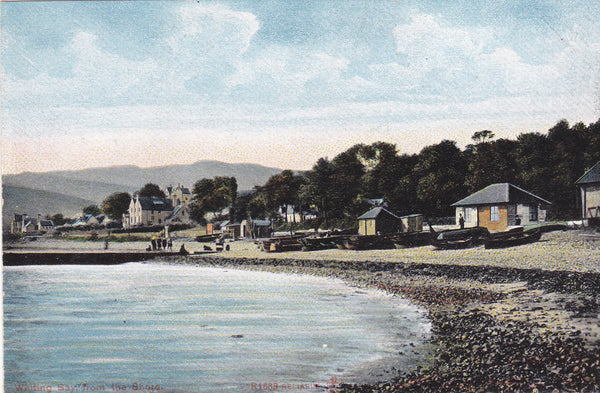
522,319
493,330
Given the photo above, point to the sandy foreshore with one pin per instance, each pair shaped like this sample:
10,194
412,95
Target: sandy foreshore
520,319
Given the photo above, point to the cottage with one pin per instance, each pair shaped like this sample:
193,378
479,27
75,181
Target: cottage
589,186
379,220
501,205
147,211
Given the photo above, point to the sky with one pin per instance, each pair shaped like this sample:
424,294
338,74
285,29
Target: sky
283,83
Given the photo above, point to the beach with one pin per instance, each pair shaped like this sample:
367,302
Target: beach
519,319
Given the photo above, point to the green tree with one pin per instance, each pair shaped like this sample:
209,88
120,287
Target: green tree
151,190
490,161
282,191
94,210
58,219
317,189
346,186
213,195
441,171
568,145
116,204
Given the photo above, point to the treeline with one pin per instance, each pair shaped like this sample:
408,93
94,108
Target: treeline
337,190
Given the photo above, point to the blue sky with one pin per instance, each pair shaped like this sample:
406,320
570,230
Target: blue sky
281,83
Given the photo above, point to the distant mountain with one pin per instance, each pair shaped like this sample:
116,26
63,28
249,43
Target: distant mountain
95,184
52,182
247,175
33,202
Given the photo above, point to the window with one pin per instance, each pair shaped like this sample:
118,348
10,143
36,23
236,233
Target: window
494,214
533,213
466,215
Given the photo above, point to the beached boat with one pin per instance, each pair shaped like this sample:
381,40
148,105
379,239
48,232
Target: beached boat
412,239
368,242
280,244
322,243
207,238
460,238
512,239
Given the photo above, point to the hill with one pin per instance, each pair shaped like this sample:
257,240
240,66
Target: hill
247,175
52,182
33,192
33,202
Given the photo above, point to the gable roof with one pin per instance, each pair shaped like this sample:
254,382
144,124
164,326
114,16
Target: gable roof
154,203
375,212
591,176
500,193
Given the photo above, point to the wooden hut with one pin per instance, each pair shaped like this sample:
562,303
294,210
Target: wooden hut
589,187
379,220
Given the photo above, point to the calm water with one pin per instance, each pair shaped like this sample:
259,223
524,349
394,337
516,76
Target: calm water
172,328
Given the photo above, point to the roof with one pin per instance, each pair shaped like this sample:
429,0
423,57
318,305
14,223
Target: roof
154,203
591,176
375,212
500,193
46,223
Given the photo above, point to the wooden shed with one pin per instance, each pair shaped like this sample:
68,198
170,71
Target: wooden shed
589,186
379,220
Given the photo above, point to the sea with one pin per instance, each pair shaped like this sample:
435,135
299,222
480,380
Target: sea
157,327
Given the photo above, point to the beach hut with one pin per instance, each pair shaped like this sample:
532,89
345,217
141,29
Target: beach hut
379,220
589,188
501,205
412,223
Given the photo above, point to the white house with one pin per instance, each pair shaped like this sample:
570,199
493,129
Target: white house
145,211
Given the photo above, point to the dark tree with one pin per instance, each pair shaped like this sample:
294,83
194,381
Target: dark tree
151,190
58,219
94,210
117,204
441,171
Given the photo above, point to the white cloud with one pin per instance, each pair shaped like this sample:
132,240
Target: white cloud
429,45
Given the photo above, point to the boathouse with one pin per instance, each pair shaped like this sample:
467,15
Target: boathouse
379,220
499,206
589,187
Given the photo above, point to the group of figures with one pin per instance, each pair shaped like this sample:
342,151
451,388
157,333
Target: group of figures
160,244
